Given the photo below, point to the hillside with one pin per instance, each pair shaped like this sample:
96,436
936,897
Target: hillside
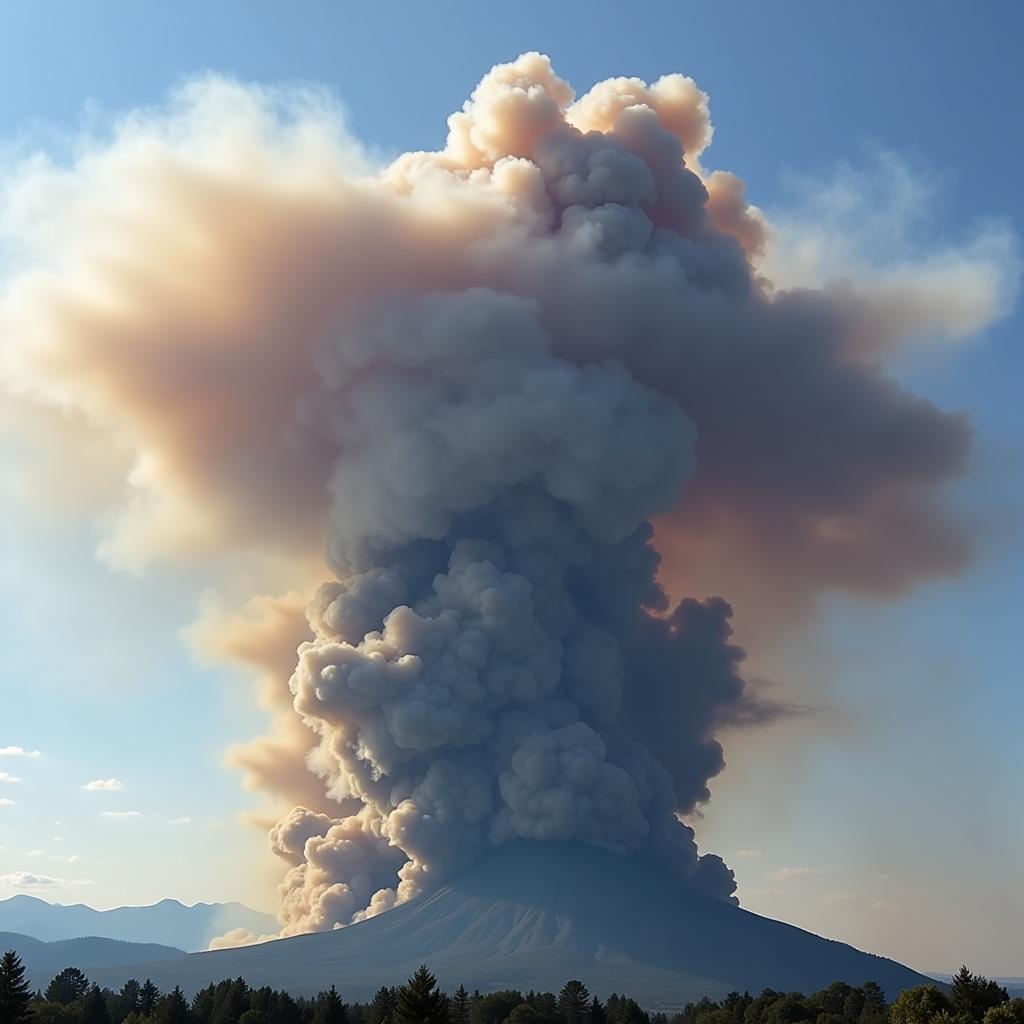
536,914
45,959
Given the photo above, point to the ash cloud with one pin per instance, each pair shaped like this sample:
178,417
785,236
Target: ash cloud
456,391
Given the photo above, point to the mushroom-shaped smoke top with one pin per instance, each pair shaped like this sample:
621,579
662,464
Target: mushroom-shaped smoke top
471,377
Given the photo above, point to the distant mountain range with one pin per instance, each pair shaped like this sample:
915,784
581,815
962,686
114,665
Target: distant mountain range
168,923
43,960
536,914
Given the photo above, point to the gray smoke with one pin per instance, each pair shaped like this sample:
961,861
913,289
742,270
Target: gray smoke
472,377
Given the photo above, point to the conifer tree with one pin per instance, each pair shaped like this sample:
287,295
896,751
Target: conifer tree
382,1009
130,995
149,996
420,1001
94,1007
66,987
574,1003
460,1006
329,1008
14,990
173,1008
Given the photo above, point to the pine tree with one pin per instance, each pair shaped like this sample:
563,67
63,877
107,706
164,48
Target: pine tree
973,995
94,1007
173,1009
460,1006
66,987
14,990
382,1009
329,1008
149,996
420,1001
574,1003
130,995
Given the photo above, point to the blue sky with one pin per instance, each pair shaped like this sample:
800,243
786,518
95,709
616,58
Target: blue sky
892,817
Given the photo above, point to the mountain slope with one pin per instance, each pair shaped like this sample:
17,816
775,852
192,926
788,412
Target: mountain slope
169,922
534,915
45,959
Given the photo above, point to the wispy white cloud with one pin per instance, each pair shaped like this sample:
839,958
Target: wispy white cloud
746,854
120,814
104,785
180,821
783,874
4,802
36,853
29,880
6,777
17,752
74,859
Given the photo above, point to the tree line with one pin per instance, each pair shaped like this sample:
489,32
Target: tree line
70,998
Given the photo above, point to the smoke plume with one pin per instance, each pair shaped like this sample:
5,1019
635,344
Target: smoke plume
456,390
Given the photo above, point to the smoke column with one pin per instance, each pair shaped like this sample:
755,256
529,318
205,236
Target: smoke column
471,377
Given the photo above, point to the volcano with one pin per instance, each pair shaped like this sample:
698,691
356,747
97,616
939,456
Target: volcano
533,915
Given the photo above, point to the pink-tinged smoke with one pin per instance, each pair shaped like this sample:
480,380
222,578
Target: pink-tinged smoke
455,391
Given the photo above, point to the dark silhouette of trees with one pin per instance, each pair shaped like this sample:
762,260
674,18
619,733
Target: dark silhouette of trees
973,996
70,999
173,1009
14,989
149,996
128,998
66,987
94,1007
420,1001
329,1008
459,1006
382,1008
574,1003
495,1007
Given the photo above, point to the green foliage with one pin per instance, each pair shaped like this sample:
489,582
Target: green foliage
329,1008
51,1013
94,1007
1010,1012
420,1001
71,1000
919,1005
973,996
14,990
149,996
66,987
524,1013
173,1009
495,1007
382,1008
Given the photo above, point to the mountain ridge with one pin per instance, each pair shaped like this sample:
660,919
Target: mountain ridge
167,922
43,960
535,914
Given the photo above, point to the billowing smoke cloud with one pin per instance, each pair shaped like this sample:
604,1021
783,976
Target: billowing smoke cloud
472,378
